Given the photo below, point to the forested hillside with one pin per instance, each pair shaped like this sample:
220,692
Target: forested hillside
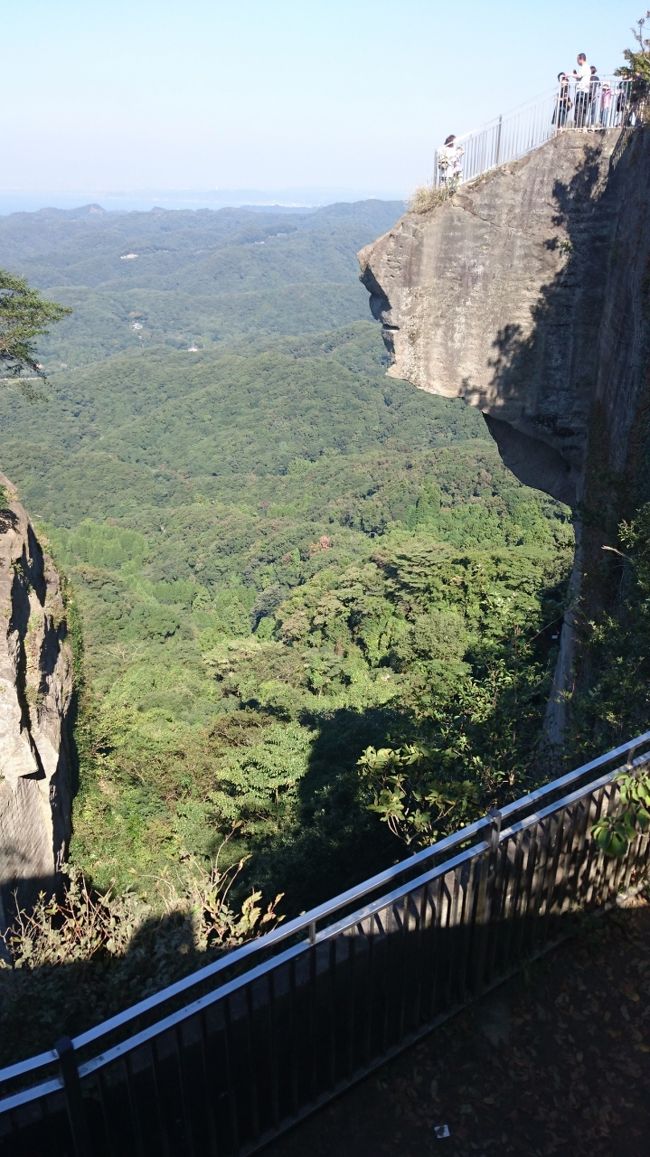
278,559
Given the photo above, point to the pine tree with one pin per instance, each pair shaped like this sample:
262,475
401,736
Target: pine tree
23,315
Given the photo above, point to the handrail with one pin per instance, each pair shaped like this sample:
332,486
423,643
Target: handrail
510,136
303,923
572,776
20,1068
516,111
189,1010
307,923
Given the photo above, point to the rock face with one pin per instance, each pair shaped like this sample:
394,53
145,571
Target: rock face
527,294
521,294
35,702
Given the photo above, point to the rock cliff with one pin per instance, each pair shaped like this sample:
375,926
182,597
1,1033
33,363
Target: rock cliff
35,702
526,294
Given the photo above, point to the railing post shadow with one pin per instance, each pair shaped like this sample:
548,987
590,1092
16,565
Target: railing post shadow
64,1049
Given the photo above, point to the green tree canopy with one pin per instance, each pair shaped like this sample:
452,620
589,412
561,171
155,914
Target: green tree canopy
637,60
23,315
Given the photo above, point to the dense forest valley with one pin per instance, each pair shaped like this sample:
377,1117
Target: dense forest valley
314,616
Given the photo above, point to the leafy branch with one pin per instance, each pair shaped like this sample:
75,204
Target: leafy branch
615,833
23,315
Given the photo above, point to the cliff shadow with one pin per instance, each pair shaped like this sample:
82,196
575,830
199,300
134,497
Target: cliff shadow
554,366
336,839
57,981
333,841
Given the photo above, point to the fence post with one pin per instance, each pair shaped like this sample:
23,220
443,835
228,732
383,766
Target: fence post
495,828
498,156
484,903
493,859
64,1049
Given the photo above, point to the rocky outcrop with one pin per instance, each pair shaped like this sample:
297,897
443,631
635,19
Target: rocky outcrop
35,702
526,294
521,295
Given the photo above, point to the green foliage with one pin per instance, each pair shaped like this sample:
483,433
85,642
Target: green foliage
403,789
257,786
637,60
279,557
467,747
24,314
614,833
617,703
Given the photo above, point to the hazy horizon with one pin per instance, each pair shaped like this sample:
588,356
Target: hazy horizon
214,96
129,200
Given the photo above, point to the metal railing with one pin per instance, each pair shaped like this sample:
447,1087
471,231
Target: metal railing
228,1057
608,105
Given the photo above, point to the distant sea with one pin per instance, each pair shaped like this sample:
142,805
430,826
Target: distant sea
19,201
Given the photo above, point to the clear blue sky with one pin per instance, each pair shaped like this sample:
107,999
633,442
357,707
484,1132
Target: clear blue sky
198,94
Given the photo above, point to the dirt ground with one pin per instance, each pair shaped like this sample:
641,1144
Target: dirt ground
556,1061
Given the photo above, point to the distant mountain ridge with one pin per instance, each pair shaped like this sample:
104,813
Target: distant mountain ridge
17,200
189,278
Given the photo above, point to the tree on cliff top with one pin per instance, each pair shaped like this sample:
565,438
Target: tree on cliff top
23,315
637,60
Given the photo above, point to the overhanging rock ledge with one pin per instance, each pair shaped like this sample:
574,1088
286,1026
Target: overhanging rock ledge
526,293
521,294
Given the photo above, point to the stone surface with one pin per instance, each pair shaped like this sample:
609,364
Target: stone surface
526,294
520,294
35,702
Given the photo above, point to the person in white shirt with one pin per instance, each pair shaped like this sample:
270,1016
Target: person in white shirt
450,162
582,76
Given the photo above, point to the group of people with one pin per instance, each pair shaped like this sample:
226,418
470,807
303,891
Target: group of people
590,104
582,101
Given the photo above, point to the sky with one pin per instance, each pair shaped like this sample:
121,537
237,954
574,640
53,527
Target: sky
340,95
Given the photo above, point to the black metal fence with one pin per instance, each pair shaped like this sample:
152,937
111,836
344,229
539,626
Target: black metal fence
229,1057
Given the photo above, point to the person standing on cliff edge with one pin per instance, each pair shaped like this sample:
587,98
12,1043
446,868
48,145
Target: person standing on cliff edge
594,96
583,83
562,101
450,162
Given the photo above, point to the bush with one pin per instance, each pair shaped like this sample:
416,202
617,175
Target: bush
78,958
428,197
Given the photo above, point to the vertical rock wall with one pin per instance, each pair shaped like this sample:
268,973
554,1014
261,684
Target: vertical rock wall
526,294
35,702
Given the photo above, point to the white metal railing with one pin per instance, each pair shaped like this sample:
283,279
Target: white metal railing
607,105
